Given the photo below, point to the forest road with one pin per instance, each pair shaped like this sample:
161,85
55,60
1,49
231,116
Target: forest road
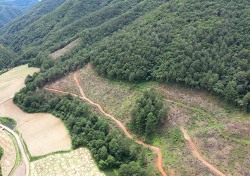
196,154
155,149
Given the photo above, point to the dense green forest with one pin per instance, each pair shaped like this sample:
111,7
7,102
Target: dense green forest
10,9
109,147
6,56
148,114
200,44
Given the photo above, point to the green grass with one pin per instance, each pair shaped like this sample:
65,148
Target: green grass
8,122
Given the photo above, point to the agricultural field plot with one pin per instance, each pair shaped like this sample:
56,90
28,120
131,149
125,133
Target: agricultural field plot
64,50
9,156
42,132
13,80
18,72
221,135
78,163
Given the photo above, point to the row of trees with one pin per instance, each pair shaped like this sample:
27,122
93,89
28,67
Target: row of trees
148,114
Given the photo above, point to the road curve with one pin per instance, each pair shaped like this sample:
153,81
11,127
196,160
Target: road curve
196,154
20,145
155,149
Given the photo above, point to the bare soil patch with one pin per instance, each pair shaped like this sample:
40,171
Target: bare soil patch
64,50
78,163
9,155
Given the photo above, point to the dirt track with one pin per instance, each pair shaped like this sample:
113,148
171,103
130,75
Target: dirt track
196,153
127,133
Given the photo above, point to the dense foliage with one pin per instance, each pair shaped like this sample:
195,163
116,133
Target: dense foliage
6,57
148,113
200,44
109,147
10,9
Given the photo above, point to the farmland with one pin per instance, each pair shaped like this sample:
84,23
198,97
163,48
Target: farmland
36,129
78,162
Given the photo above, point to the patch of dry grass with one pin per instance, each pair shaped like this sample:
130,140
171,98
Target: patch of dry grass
64,50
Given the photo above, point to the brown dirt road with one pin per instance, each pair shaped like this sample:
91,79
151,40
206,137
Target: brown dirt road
155,149
196,154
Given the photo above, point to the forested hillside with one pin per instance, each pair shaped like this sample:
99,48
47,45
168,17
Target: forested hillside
201,44
10,9
5,57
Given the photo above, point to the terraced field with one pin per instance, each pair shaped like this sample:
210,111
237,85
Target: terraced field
78,163
9,157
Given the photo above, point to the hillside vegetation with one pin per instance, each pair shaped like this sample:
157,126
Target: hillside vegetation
10,9
200,44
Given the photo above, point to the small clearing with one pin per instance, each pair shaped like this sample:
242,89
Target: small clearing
78,163
116,98
64,50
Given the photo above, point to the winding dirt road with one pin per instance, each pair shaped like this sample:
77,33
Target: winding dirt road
157,150
196,154
20,146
